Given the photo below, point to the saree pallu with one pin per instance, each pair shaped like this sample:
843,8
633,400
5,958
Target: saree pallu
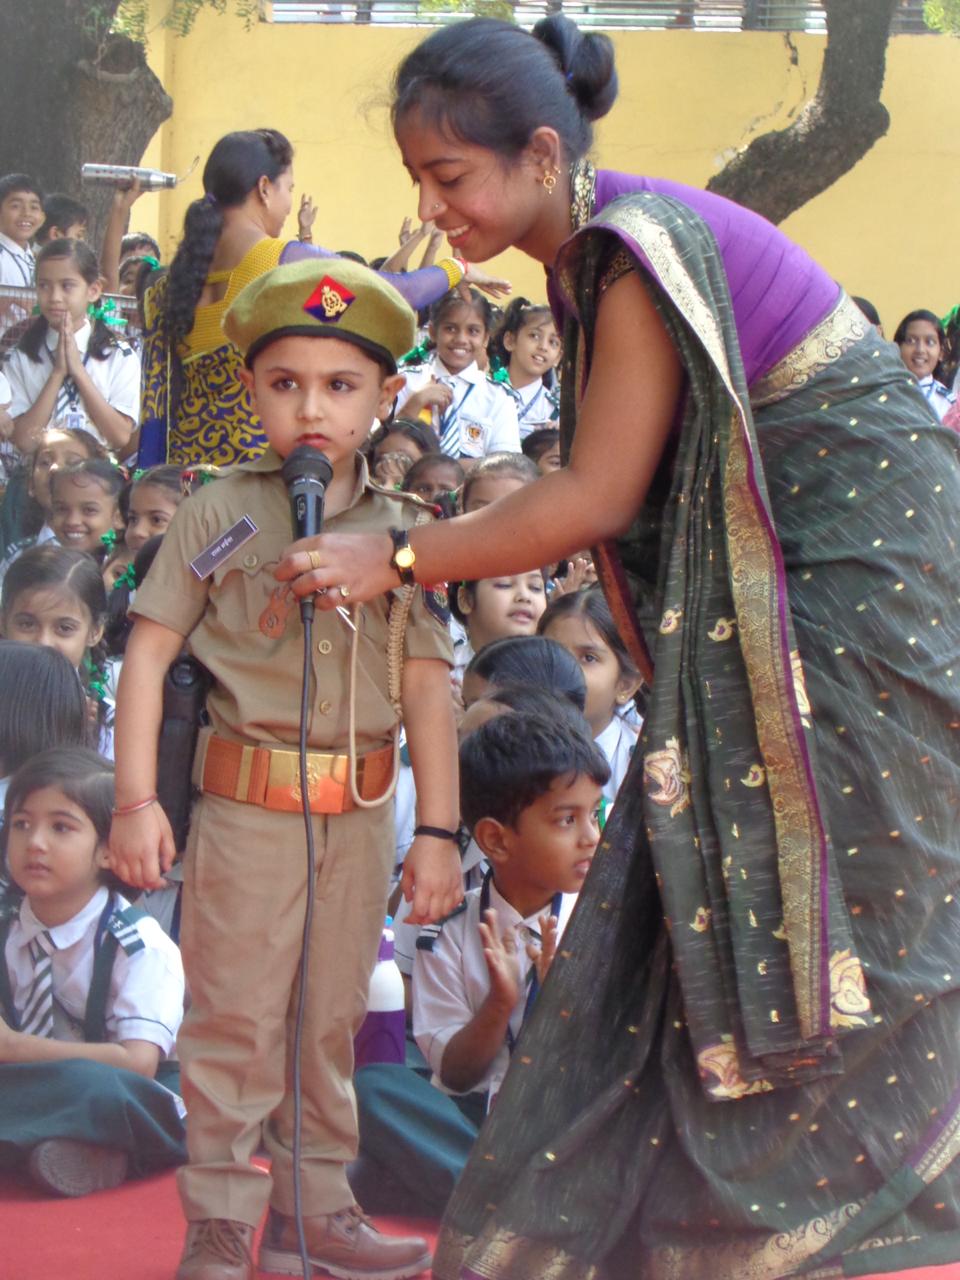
745,1062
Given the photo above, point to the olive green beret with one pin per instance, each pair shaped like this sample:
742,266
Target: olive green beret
322,298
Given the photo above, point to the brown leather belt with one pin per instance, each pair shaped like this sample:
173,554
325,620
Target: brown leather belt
270,776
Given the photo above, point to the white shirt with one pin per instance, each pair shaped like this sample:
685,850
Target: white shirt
536,407
617,742
937,396
145,1000
485,411
116,377
16,267
6,395
451,982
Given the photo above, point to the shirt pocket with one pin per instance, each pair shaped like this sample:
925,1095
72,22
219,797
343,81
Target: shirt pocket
244,586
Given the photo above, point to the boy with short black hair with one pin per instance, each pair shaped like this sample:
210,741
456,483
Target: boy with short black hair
21,213
65,218
530,789
321,339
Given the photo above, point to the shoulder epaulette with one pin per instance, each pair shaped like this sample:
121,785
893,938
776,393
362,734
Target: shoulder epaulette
123,926
431,932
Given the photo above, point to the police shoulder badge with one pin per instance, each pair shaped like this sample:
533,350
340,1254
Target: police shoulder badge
329,300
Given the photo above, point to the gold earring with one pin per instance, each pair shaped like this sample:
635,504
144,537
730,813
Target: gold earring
549,181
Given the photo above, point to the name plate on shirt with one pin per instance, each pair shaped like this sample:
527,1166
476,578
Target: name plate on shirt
223,547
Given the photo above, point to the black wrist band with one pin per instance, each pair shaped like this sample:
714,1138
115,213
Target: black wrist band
438,833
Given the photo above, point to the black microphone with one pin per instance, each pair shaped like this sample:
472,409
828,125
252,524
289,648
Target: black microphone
306,472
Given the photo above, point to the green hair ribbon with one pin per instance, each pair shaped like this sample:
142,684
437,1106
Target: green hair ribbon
127,579
109,539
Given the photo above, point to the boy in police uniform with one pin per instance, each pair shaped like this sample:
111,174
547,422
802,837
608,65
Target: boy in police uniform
321,340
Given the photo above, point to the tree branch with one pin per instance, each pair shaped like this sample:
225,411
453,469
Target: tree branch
781,170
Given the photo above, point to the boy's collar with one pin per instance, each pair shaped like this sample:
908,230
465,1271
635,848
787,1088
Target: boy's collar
509,916
270,462
21,250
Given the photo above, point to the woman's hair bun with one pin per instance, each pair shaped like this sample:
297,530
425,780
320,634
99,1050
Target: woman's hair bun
587,61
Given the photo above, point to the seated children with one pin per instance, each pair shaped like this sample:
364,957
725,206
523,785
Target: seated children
493,608
582,622
494,477
41,706
394,447
528,348
319,373
530,786
471,414
151,502
66,370
91,993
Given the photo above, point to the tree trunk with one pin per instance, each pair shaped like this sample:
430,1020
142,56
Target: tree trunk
71,93
781,170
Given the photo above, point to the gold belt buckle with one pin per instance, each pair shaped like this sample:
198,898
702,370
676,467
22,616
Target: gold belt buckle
326,780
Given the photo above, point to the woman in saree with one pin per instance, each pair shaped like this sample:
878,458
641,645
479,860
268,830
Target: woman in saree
195,409
745,1062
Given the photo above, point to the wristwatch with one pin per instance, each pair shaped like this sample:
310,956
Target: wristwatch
404,556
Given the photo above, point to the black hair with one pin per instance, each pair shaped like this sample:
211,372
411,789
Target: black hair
234,167
865,306
491,84
535,700
353,256
61,211
590,603
82,775
119,624
517,316
102,338
162,476
922,314
432,459
50,565
106,473
515,465
455,298
42,703
136,242
417,433
539,442
512,760
533,662
11,182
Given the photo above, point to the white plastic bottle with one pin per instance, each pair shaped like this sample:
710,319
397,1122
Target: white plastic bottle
382,1036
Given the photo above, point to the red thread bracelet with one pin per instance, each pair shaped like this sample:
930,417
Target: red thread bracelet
121,811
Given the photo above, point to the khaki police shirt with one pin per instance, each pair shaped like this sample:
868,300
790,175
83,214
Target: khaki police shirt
245,627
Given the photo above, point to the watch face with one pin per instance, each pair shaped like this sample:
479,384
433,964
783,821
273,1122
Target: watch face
404,558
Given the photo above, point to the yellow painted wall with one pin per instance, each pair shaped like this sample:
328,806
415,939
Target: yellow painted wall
887,230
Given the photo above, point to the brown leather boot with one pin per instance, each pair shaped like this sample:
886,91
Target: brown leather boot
345,1244
217,1249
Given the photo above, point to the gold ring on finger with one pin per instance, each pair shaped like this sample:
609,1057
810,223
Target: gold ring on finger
344,592
315,561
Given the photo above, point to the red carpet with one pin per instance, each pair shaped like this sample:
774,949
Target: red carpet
133,1233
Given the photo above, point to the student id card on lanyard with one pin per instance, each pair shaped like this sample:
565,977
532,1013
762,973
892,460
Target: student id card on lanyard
68,411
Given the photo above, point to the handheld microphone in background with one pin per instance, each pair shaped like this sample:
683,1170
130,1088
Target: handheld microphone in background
306,473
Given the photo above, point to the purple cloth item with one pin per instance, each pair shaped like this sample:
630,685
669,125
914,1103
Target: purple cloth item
779,293
419,288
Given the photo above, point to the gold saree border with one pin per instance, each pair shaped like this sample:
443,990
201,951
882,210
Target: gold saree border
507,1256
836,333
756,577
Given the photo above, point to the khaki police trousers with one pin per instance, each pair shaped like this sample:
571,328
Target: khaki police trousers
241,927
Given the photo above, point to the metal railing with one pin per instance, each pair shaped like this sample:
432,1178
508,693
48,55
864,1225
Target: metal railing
654,15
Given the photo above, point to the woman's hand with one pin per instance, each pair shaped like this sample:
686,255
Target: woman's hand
362,563
480,279
142,847
306,217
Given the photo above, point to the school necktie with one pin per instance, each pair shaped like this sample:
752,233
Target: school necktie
37,1017
450,423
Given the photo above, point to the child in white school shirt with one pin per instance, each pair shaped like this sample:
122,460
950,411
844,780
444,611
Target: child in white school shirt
471,414
69,370
91,993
